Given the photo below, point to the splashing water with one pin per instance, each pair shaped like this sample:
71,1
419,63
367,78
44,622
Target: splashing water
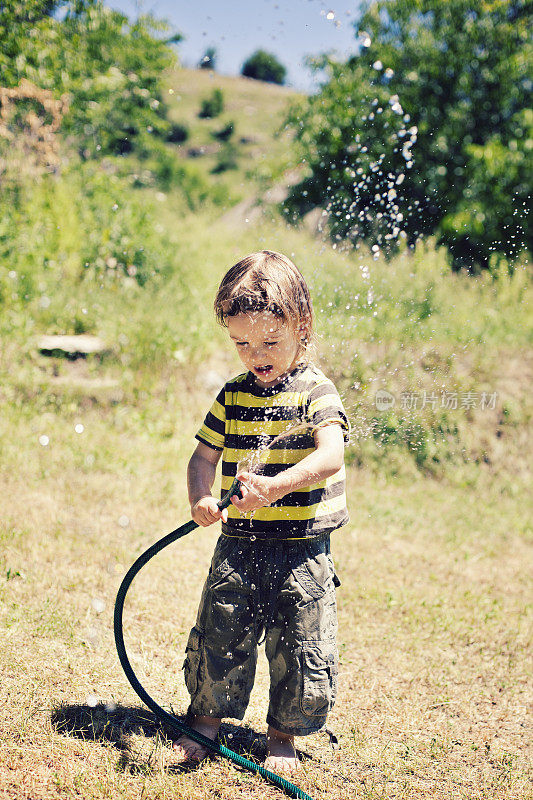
254,462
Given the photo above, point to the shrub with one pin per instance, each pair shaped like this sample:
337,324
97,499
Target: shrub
227,158
83,224
177,133
426,130
213,105
109,67
263,66
224,133
208,60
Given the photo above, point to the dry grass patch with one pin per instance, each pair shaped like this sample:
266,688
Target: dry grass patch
433,636
434,611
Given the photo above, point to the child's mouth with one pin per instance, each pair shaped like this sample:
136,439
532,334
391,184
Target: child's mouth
263,371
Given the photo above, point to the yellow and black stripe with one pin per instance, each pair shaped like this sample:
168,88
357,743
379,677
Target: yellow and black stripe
245,418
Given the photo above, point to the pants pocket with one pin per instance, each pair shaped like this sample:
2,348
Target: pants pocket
312,571
336,581
191,665
319,677
309,582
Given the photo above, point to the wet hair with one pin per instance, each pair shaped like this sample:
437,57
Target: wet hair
267,281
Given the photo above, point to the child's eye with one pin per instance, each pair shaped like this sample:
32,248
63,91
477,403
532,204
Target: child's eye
241,344
270,344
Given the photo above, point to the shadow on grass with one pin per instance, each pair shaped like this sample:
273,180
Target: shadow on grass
138,734
105,723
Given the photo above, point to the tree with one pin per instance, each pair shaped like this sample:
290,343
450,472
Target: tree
209,59
20,20
109,68
426,129
263,66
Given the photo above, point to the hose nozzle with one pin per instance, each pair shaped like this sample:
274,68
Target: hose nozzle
235,488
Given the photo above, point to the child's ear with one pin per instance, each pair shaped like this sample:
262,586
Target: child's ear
303,333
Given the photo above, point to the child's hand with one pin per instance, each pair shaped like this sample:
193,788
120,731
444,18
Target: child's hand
257,491
206,511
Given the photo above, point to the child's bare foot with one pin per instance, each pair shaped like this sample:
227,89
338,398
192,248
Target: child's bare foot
187,749
281,753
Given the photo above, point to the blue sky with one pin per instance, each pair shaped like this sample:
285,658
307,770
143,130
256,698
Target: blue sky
291,29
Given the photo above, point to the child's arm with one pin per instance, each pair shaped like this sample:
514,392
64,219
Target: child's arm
200,478
325,460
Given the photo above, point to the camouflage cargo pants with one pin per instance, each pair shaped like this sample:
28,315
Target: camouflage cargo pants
286,592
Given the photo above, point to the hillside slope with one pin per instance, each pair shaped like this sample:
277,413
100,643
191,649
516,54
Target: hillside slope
255,151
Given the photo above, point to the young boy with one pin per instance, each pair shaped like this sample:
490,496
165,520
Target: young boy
271,573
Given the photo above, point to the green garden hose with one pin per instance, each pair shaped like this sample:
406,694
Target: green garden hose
181,727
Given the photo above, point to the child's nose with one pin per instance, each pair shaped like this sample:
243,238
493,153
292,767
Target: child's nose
257,351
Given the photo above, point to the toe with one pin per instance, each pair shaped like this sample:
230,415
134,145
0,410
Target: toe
187,750
281,764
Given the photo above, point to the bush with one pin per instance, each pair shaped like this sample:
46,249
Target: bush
177,133
224,133
425,130
213,105
227,158
109,67
208,60
263,66
83,223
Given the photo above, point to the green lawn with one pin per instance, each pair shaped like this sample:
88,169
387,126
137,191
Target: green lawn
434,603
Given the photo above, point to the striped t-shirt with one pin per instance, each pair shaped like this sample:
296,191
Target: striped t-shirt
245,418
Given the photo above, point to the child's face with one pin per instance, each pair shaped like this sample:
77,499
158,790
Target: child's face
266,345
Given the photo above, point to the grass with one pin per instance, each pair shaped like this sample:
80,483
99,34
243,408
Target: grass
433,632
473,336
257,111
434,599
434,607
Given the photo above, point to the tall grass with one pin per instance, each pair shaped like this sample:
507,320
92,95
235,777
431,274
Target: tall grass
140,271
